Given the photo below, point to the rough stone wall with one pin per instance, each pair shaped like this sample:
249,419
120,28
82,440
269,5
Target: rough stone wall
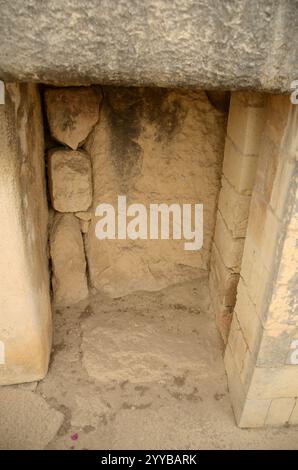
150,145
192,43
261,356
71,114
25,312
153,146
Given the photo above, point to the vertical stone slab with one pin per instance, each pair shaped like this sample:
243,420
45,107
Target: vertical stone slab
25,311
261,356
153,146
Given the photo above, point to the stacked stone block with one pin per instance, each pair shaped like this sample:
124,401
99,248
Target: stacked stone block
245,126
261,357
72,113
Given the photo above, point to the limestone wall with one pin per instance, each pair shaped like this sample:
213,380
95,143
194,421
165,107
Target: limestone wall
235,44
150,145
261,356
154,146
244,131
25,312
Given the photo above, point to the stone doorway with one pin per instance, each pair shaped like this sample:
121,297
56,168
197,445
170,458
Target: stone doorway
153,144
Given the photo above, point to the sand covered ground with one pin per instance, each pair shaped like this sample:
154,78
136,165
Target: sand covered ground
144,371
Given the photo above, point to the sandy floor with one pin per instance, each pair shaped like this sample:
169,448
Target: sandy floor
140,372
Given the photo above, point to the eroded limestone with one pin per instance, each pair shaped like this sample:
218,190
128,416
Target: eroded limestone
68,260
70,180
72,113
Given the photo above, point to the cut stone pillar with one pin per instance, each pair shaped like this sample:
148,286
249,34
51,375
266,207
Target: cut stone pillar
25,311
261,357
245,126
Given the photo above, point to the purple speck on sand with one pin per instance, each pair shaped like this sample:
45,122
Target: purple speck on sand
74,437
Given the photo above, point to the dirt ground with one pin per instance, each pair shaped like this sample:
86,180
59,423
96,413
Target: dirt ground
144,371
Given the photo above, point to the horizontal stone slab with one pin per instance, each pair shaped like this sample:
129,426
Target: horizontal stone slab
211,45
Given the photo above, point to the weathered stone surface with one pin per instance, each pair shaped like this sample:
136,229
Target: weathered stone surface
27,421
280,411
84,224
238,344
266,305
68,260
282,314
72,113
236,387
294,415
153,146
240,170
84,215
254,413
223,314
234,208
274,382
230,249
70,180
141,338
246,121
246,313
235,44
25,310
225,279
